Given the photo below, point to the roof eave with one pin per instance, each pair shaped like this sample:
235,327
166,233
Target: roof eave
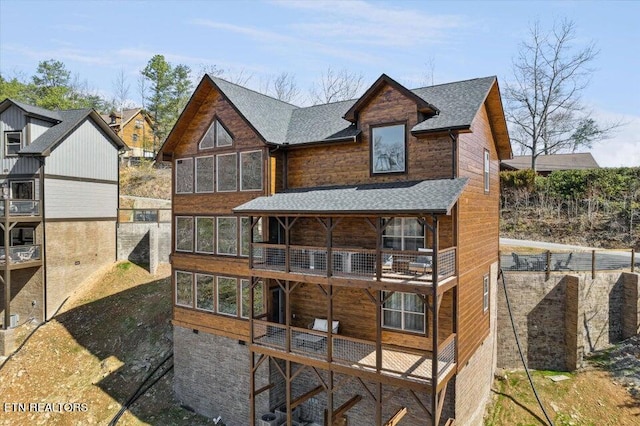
363,213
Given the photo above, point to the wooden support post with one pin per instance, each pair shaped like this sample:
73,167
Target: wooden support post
434,335
287,315
288,390
7,265
329,247
379,232
330,323
287,250
379,302
329,418
395,419
548,265
379,404
633,259
593,264
252,391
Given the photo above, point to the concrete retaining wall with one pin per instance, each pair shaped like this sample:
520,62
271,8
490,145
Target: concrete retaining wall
135,240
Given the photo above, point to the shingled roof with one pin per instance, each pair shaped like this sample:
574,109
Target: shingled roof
64,122
550,163
418,197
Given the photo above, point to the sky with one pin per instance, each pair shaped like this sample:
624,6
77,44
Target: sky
416,43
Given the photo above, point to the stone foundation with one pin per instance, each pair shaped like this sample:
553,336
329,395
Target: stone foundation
7,342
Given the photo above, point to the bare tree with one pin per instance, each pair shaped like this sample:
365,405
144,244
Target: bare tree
429,74
143,89
544,105
336,86
240,77
211,69
282,86
121,88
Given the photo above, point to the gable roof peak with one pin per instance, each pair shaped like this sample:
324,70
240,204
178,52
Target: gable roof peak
216,79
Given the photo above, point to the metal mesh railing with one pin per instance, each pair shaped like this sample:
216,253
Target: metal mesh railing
309,342
447,262
354,262
354,352
447,354
571,261
269,334
269,256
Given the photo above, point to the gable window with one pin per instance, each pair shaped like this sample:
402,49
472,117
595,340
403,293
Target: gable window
12,143
204,174
403,311
184,288
227,235
184,176
216,136
403,233
138,124
251,171
227,296
388,149
485,293
134,137
204,235
227,172
184,233
486,170
204,292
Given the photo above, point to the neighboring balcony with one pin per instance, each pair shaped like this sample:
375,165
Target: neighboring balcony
356,263
357,355
23,210
23,256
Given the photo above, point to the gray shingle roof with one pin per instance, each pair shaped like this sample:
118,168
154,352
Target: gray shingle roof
31,109
458,103
282,123
549,163
46,141
429,196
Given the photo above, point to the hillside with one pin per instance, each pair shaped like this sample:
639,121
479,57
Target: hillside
146,181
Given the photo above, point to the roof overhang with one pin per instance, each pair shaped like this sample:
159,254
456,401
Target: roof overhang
413,198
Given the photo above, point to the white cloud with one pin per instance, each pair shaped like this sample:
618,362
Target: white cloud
623,149
61,54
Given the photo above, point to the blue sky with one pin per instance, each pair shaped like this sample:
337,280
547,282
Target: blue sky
406,40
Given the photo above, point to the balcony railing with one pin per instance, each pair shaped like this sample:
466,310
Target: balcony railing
21,254
22,208
355,353
354,262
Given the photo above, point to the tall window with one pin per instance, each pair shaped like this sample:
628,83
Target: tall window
204,174
216,136
403,233
184,176
12,143
204,292
258,298
22,190
227,172
184,288
184,233
227,235
403,311
388,149
486,170
251,171
204,235
227,296
485,293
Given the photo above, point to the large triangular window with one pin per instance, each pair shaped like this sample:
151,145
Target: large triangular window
216,136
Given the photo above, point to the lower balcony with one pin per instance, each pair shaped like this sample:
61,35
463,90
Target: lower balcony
23,256
357,354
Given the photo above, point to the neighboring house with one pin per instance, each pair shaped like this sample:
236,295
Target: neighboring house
546,164
134,126
58,217
368,231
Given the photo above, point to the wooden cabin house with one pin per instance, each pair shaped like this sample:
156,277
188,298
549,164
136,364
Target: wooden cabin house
336,264
58,210
135,128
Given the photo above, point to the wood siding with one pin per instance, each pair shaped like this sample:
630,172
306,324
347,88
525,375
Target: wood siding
478,217
350,163
85,153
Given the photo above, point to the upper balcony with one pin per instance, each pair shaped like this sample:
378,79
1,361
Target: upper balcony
22,210
22,256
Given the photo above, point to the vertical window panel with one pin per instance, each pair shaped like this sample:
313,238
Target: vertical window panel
208,140
223,138
227,172
184,176
184,233
227,296
251,171
205,235
184,288
227,230
204,174
204,292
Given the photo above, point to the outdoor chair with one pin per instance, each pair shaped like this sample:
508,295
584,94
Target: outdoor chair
315,341
521,264
423,262
563,266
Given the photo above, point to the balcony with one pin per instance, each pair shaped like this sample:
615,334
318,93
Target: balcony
356,354
24,256
355,263
22,209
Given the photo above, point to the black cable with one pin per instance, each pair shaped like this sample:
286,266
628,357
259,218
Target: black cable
141,390
526,369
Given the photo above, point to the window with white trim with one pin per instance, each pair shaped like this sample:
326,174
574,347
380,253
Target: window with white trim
251,171
227,296
204,174
403,233
184,233
205,242
205,290
223,137
403,311
485,293
12,143
227,235
227,172
184,176
216,136
184,288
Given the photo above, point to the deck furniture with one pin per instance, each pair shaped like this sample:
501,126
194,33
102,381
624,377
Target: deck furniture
423,262
315,341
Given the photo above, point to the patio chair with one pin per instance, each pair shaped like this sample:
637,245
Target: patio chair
563,266
423,262
316,341
521,264
26,255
